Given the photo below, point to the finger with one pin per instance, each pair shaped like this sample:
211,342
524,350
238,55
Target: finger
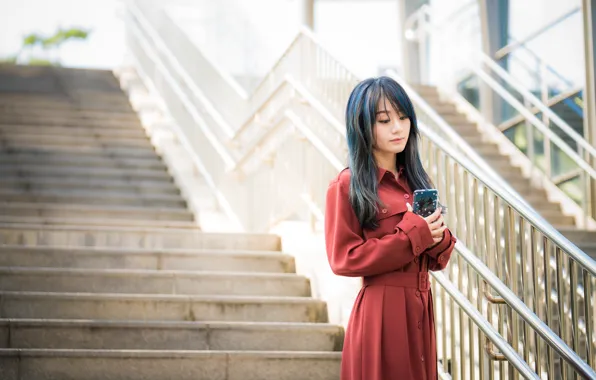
432,217
438,233
436,224
409,206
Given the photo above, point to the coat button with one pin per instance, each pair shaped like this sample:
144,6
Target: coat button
417,293
441,259
384,211
422,358
416,260
419,325
407,196
417,249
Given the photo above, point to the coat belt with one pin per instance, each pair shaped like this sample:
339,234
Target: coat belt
418,280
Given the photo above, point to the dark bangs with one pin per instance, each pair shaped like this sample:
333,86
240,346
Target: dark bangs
361,113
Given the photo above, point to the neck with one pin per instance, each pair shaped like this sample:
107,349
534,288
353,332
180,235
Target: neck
386,161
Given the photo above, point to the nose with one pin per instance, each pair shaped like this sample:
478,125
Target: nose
396,127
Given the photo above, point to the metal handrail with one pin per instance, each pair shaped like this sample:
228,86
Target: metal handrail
527,315
506,349
538,104
542,62
551,102
511,47
588,172
489,177
537,123
225,153
456,139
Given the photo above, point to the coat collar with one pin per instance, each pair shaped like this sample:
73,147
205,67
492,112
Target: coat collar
382,172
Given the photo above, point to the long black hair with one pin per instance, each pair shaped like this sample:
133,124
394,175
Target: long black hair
360,120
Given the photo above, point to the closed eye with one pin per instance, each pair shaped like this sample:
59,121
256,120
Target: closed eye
403,117
384,121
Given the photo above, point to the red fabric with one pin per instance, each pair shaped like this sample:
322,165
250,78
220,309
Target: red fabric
390,334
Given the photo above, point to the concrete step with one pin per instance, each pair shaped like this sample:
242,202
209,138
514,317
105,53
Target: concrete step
63,105
84,140
99,222
578,236
150,235
53,131
82,98
588,248
92,197
489,150
17,110
458,120
95,211
160,307
470,134
424,90
41,171
103,161
557,218
55,102
167,335
68,121
502,165
446,109
109,150
141,281
145,187
212,260
32,364
433,99
542,205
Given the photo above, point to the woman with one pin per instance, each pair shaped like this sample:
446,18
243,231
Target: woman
371,232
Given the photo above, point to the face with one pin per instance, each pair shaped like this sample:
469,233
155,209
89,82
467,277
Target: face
391,129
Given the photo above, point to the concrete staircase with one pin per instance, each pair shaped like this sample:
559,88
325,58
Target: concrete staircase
537,197
104,273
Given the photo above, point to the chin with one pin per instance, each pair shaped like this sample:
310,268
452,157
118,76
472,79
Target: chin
398,149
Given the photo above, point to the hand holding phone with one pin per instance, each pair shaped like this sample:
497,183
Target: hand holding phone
426,205
425,202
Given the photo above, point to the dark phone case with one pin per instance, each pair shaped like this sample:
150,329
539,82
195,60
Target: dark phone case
425,202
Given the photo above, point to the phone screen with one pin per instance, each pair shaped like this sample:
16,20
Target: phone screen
425,202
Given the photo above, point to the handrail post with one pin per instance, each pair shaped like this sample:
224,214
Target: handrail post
410,14
589,17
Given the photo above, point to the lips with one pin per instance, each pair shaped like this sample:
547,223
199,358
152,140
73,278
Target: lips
397,140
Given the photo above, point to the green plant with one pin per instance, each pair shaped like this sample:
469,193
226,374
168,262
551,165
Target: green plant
48,44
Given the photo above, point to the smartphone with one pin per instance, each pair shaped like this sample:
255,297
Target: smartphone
425,202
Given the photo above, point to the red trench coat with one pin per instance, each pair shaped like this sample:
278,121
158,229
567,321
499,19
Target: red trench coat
391,332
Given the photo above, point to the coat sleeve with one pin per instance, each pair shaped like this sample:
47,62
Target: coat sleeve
351,255
439,255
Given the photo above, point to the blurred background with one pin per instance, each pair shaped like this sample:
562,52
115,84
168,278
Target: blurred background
366,34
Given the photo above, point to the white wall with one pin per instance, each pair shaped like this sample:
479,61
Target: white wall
104,48
247,38
366,35
562,46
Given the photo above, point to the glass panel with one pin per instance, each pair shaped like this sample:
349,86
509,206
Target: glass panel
561,162
468,88
517,135
573,188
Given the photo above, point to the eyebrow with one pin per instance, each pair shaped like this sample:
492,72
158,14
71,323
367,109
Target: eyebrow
387,112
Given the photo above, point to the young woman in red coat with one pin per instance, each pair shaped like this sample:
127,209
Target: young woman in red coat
371,232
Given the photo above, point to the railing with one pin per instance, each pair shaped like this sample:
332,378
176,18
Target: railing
525,253
499,225
555,150
284,150
503,52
